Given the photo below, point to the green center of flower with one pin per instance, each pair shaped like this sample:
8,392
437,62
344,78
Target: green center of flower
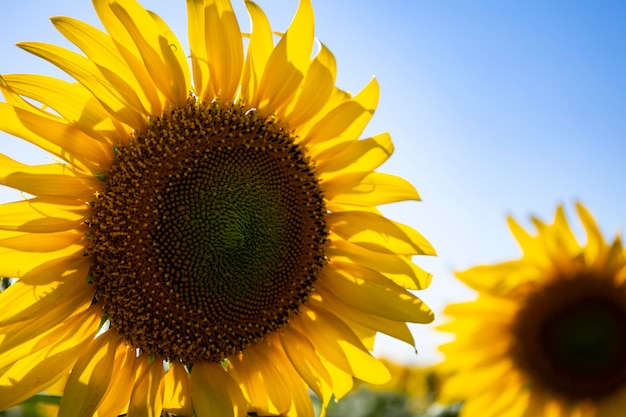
209,235
571,337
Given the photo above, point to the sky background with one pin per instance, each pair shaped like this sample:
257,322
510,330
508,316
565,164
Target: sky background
496,108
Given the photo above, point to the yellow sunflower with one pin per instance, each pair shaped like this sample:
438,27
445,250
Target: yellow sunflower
209,240
547,334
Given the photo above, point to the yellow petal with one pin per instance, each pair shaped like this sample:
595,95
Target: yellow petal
56,136
20,254
224,47
176,62
315,90
286,67
260,48
64,286
43,215
260,381
53,180
395,329
112,95
304,359
117,397
397,268
301,404
342,381
90,378
338,344
39,370
215,393
368,189
177,396
356,156
100,49
197,44
371,230
159,58
146,399
73,102
374,294
346,122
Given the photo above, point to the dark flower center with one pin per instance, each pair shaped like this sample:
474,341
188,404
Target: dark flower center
571,337
209,235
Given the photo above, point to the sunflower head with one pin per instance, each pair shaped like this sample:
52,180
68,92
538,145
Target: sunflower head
208,240
547,333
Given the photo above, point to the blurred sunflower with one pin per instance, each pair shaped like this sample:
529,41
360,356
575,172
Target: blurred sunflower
547,333
209,240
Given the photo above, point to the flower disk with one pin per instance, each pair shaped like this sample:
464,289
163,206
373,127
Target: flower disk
209,234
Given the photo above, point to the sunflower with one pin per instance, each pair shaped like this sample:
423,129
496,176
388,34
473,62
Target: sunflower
207,240
547,334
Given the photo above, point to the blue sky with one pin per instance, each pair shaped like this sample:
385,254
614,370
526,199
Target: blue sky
495,108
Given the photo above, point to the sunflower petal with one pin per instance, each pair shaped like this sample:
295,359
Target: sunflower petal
347,121
89,379
288,63
43,215
260,381
197,44
318,85
224,46
64,286
215,393
375,294
260,48
146,399
304,359
159,58
357,156
368,189
39,370
177,398
365,228
117,397
338,344
56,136
112,95
73,102
100,49
397,268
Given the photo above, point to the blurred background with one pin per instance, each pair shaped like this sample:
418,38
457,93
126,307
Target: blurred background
496,108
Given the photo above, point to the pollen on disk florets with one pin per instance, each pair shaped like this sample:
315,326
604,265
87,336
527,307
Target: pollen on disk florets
209,234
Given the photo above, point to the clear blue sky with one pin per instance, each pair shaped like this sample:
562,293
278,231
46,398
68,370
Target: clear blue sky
495,108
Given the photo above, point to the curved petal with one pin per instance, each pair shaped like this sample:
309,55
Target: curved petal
43,215
39,370
286,67
260,48
89,378
199,55
56,136
146,399
357,156
304,359
225,49
117,397
177,396
338,344
372,229
375,294
112,95
161,60
215,393
345,122
368,189
318,85
73,102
